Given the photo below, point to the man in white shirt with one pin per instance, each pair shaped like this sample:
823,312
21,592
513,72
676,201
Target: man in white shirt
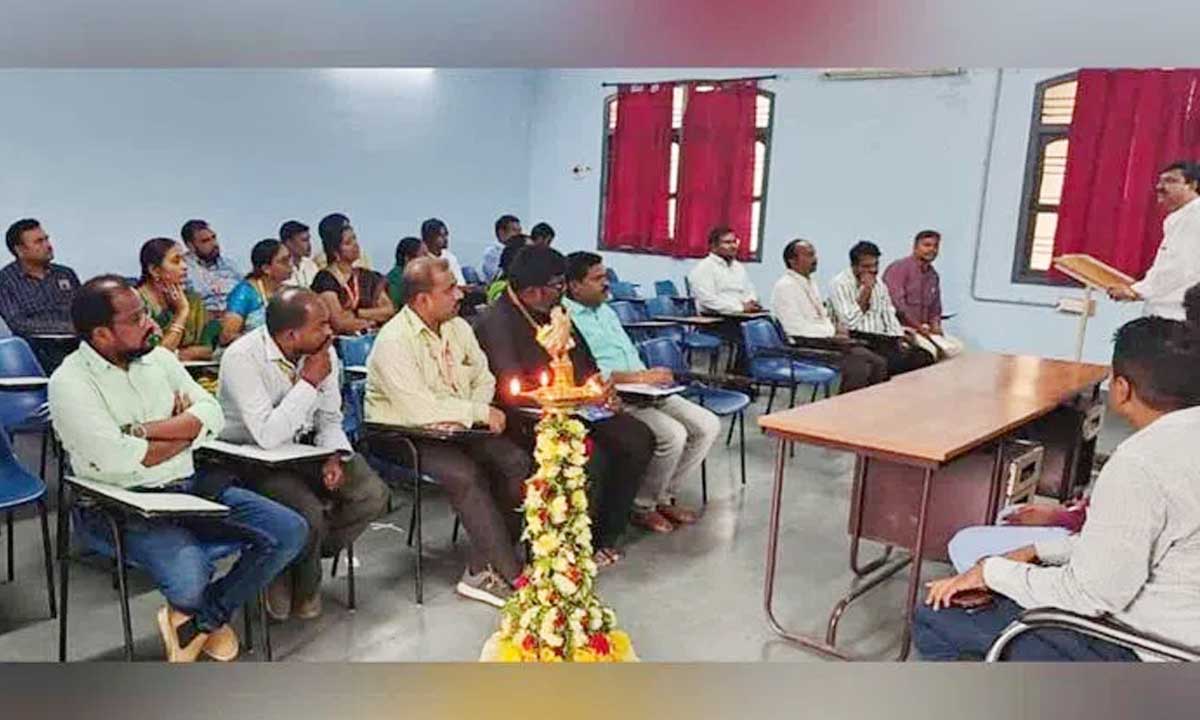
507,226
279,385
1137,557
719,281
796,300
1176,265
296,236
862,304
436,237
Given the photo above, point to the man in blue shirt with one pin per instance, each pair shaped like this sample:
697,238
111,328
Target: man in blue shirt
683,431
507,226
210,275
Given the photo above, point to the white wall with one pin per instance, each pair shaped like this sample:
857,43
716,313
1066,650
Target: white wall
108,158
869,159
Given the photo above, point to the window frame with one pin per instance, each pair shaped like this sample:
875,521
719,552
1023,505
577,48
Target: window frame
1040,136
763,134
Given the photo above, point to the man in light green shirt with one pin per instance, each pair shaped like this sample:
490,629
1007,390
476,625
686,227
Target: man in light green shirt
683,431
426,369
130,416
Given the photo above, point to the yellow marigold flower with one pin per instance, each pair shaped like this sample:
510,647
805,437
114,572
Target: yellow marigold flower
545,544
621,645
548,655
510,653
583,655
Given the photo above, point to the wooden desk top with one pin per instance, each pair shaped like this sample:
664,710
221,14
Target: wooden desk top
931,416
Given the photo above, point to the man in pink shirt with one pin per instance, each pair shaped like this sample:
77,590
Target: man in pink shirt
916,292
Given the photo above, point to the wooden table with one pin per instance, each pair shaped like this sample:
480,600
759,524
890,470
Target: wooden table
931,424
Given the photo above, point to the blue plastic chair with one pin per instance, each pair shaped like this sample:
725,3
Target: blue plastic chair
690,338
625,291
662,352
665,288
471,275
19,487
354,349
770,361
395,473
25,411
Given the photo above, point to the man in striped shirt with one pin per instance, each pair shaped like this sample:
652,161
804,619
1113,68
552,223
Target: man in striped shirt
861,303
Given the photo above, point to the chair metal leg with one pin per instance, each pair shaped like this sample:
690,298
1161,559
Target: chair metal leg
457,527
266,625
247,612
729,435
48,556
119,548
741,420
792,399
417,525
350,575
8,523
771,399
333,568
813,398
412,516
64,564
45,446
704,481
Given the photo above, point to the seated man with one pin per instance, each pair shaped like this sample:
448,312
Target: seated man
209,274
916,293
130,416
35,293
861,303
298,239
279,385
1137,557
799,308
426,368
683,432
622,444
506,227
719,281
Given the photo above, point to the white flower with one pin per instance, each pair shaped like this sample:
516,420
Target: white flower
564,585
558,510
533,525
579,500
545,544
543,596
560,564
534,501
506,625
528,617
589,566
594,618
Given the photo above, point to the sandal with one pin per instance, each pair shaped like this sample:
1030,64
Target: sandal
605,557
678,515
652,520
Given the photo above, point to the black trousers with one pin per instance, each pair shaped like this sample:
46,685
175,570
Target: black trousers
621,450
901,356
859,366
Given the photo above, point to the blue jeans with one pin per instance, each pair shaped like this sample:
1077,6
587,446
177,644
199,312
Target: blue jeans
958,634
177,554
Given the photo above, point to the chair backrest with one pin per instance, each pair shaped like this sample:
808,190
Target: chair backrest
624,310
624,291
759,335
353,400
354,350
612,275
662,352
665,287
17,359
471,275
661,305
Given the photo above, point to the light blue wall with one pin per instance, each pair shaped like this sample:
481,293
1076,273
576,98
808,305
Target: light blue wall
863,159
107,159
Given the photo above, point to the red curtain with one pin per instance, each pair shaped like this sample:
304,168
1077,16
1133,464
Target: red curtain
1126,126
635,207
716,181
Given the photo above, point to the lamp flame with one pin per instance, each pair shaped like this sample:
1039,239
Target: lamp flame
514,387
544,378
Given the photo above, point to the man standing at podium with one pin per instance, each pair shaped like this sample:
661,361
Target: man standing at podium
1177,264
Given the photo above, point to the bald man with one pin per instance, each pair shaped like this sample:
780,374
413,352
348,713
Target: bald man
797,303
279,385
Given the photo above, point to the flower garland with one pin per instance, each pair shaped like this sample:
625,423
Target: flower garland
554,614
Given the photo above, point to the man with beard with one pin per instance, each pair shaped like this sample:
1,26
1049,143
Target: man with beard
209,274
130,416
35,293
279,385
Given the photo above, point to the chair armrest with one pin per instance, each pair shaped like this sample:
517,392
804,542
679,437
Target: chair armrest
1102,628
738,382
424,432
801,354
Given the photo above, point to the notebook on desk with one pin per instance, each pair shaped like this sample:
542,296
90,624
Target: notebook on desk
151,504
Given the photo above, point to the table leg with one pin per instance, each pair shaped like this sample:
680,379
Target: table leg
772,554
914,580
860,476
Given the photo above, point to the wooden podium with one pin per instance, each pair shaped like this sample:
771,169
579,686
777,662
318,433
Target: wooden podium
1092,274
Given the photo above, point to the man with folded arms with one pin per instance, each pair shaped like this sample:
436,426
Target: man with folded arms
279,385
130,416
427,369
796,301
1137,558
683,431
